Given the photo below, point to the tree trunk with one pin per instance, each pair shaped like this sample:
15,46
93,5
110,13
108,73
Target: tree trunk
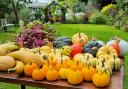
15,9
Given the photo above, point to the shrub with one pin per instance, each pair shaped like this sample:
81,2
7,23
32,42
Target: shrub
110,10
97,19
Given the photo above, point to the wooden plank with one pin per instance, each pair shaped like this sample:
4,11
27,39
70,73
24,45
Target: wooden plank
116,82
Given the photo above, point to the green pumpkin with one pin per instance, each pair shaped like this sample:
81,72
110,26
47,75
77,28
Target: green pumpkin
92,48
61,41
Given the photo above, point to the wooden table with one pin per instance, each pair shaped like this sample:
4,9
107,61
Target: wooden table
116,82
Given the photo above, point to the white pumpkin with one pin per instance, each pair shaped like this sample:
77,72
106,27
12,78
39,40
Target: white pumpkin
123,46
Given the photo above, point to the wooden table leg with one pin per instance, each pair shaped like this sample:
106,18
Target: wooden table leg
22,86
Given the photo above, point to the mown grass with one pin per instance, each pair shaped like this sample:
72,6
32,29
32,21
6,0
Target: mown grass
102,32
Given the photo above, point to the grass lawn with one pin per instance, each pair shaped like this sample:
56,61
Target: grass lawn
102,32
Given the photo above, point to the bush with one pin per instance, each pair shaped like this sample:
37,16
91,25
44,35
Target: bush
110,10
97,19
24,14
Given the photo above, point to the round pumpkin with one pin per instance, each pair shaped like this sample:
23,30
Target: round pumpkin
101,79
38,74
106,52
75,76
63,73
123,45
75,49
115,63
92,48
88,73
29,68
80,38
66,50
45,49
61,41
52,75
102,66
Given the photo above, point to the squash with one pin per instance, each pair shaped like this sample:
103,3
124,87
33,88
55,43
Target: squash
66,50
80,38
45,49
115,63
102,66
26,57
52,75
75,76
92,48
75,49
88,73
61,41
29,68
19,68
123,45
63,73
101,79
6,62
2,51
9,47
38,74
106,52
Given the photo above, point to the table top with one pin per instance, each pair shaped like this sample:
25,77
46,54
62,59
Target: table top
116,82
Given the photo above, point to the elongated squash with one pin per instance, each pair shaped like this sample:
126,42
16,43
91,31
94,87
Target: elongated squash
19,68
6,62
26,57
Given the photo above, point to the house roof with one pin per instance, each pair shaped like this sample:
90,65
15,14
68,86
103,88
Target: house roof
39,4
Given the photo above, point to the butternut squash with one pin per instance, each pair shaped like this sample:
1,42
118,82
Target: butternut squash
26,57
6,62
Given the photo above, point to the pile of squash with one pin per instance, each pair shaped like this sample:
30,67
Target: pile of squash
76,61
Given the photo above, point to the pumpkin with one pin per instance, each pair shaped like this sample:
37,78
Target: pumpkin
52,75
76,66
78,58
80,38
75,49
61,41
92,48
88,73
123,46
106,52
115,63
29,68
66,50
63,73
102,66
116,47
101,79
6,62
45,49
99,41
38,74
75,76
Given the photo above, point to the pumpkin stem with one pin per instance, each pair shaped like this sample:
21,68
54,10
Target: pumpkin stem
87,57
61,59
54,51
93,38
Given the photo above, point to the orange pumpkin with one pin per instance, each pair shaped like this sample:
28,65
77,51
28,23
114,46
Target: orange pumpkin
88,73
52,75
75,76
101,79
116,46
29,68
38,74
80,38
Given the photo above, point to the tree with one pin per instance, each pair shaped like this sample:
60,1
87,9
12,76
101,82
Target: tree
15,6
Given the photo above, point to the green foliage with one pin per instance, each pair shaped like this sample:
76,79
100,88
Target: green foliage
110,10
24,14
97,19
